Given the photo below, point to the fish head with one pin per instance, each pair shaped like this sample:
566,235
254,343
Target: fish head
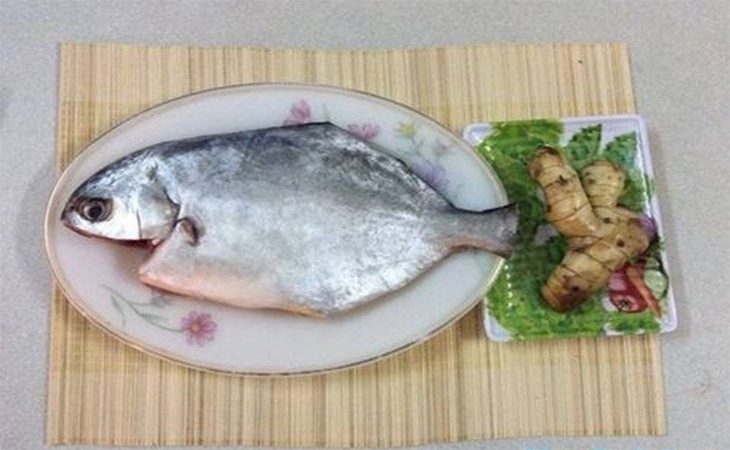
124,201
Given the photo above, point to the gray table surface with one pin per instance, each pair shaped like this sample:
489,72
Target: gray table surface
680,54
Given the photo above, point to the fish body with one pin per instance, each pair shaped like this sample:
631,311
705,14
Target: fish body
307,218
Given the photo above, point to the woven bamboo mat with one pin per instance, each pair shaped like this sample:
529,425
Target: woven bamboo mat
457,386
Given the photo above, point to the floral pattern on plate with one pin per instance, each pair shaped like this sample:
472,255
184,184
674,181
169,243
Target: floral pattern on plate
414,150
198,328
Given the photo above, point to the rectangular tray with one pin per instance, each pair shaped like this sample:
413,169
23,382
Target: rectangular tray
512,308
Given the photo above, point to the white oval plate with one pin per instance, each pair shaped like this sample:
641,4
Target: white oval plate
99,277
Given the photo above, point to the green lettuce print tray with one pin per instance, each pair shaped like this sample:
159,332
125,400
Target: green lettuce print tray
638,297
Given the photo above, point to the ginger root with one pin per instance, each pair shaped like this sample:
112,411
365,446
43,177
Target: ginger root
602,236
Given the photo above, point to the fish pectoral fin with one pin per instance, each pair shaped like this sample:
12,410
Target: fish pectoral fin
190,230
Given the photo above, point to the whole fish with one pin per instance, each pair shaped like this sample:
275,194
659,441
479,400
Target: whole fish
309,218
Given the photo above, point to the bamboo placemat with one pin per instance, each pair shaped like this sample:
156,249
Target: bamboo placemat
457,386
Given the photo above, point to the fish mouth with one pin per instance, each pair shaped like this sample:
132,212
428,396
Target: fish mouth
68,209
147,244
67,217
80,231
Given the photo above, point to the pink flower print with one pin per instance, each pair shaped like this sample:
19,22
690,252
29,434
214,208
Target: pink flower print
365,131
433,175
299,113
199,328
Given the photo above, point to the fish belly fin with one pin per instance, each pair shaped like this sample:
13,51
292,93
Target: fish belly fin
173,267
493,230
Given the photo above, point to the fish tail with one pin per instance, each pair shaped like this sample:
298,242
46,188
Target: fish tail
493,230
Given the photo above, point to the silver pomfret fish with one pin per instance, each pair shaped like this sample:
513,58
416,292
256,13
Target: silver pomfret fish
307,218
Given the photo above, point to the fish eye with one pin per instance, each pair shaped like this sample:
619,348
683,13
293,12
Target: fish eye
95,209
